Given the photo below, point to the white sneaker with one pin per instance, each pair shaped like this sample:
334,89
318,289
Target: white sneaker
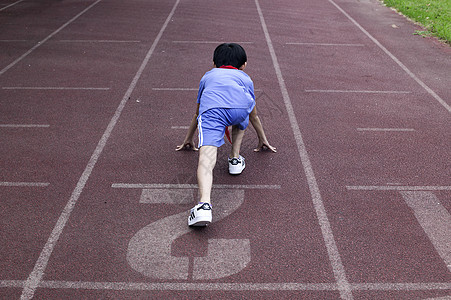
236,165
200,215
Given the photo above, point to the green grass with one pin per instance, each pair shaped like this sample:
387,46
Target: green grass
433,15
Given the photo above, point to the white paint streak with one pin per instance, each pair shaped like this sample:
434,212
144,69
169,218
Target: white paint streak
398,188
54,88
189,186
175,89
207,42
357,91
98,41
24,126
386,129
24,184
219,286
326,44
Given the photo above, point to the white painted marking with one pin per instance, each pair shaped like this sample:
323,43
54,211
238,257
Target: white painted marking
407,286
184,286
98,41
208,42
24,184
199,286
385,129
357,91
179,127
13,41
175,89
190,186
331,246
398,188
149,250
326,44
24,126
53,88
395,59
11,283
169,196
435,220
186,89
12,4
47,38
36,275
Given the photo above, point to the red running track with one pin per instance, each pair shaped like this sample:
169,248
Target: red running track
95,96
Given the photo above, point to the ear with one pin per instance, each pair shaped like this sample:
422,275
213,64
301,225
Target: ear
243,66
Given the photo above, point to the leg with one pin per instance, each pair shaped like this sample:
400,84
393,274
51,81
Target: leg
237,138
207,162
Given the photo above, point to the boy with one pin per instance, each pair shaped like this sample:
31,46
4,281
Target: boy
225,98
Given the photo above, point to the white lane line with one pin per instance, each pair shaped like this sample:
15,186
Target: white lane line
397,188
12,4
405,286
98,41
190,186
170,196
331,246
434,219
270,286
208,42
24,126
187,89
179,127
54,88
24,184
36,275
46,39
357,91
395,59
13,41
326,44
386,129
175,89
11,283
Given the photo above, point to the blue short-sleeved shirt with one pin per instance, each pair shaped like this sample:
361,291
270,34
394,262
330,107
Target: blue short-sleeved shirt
226,88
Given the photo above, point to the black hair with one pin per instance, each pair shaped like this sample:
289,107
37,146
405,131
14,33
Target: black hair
229,54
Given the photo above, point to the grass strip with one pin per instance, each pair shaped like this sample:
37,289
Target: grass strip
433,15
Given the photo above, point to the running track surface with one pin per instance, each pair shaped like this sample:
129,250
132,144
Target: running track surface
94,99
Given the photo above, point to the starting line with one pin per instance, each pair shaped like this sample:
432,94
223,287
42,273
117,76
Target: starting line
398,188
287,286
190,186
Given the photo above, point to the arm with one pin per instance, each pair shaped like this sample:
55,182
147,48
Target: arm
188,141
262,140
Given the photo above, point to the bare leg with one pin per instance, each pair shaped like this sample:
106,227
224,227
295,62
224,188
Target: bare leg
207,162
237,138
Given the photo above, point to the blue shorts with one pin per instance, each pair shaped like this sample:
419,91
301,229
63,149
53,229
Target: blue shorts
211,124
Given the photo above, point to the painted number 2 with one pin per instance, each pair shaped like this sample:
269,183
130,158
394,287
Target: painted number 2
149,251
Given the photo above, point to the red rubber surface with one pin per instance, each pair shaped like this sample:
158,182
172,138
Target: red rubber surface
81,65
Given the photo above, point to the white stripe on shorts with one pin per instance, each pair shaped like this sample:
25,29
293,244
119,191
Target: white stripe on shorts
199,128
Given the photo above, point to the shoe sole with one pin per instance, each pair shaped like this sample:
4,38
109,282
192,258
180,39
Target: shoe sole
200,221
236,172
